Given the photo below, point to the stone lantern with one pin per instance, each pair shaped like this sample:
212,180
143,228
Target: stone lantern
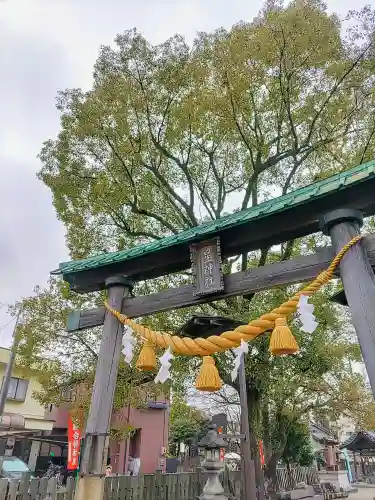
211,444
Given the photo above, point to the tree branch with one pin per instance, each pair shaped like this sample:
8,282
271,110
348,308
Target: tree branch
78,339
334,90
189,207
190,222
261,263
287,252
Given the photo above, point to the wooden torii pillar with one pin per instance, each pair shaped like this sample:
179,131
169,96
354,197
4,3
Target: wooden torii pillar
358,279
90,484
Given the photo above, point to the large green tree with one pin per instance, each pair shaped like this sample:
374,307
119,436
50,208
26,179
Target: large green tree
170,136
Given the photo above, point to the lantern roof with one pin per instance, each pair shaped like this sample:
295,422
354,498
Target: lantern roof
212,440
205,325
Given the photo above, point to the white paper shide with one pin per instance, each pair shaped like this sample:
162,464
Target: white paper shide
164,371
128,343
239,351
306,315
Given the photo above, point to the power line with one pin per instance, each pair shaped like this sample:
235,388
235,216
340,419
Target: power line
4,326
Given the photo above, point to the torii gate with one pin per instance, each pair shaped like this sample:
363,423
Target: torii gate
335,205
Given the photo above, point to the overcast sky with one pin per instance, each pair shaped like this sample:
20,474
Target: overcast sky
47,45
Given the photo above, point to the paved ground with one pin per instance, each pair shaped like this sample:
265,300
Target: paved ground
363,494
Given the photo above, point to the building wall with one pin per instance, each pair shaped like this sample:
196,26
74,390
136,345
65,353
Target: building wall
60,416
149,443
30,408
344,428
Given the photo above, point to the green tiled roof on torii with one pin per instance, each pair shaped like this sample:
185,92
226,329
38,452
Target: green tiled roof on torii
290,200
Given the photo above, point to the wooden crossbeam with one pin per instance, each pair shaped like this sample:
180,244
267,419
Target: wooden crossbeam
254,280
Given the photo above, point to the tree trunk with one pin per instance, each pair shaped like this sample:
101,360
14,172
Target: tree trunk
270,469
256,457
291,482
270,473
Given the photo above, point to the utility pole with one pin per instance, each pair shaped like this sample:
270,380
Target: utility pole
9,368
247,467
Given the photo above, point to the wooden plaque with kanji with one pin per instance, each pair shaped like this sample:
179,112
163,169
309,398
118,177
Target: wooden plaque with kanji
206,266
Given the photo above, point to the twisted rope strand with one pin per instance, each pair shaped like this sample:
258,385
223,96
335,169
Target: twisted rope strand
232,338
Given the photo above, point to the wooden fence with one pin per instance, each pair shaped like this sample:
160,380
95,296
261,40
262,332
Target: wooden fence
183,486
35,489
287,481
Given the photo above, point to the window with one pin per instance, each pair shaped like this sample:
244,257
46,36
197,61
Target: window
17,389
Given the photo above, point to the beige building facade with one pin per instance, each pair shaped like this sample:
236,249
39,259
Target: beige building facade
24,417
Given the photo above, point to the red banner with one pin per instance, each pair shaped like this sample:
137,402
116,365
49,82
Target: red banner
222,451
74,443
261,452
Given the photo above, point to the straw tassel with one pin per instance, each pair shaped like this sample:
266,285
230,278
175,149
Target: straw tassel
147,359
282,339
208,378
